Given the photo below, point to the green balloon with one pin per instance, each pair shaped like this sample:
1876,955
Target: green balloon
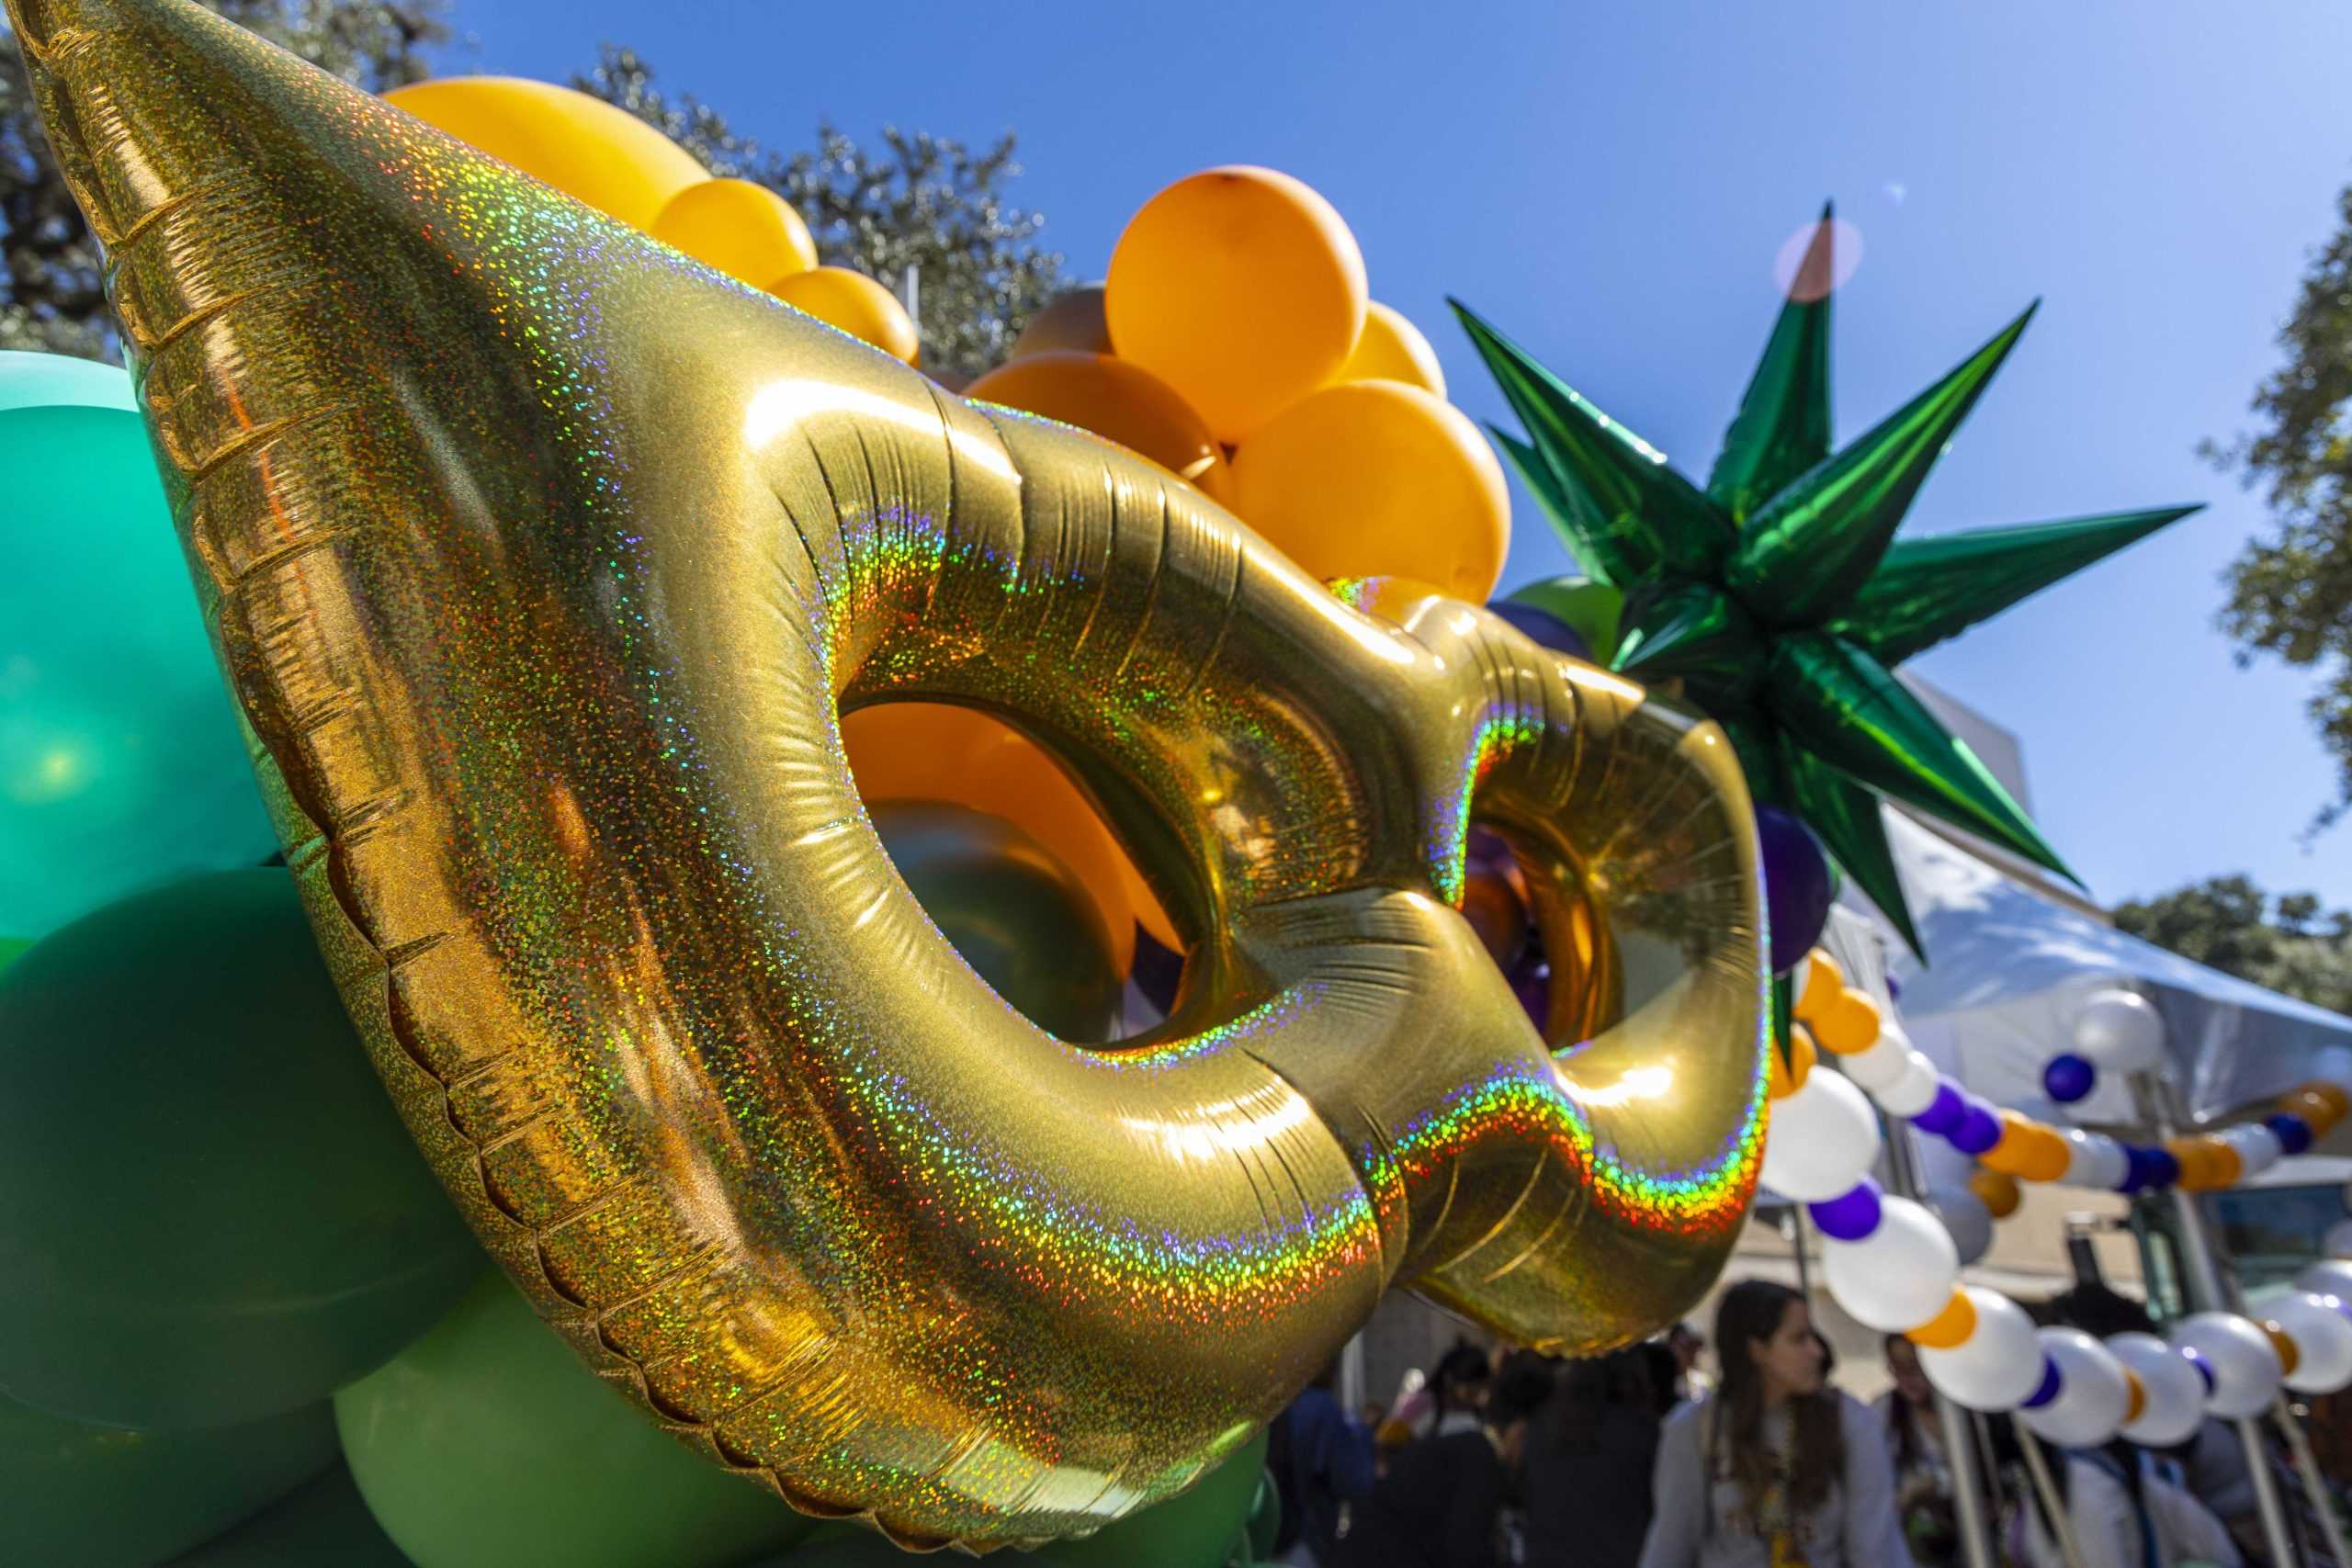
1017,914
1589,609
1265,1520
231,1222
1197,1529
103,1497
122,765
12,949
1193,1530
323,1522
487,1444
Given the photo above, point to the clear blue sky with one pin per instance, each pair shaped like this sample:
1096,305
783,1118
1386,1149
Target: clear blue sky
1611,182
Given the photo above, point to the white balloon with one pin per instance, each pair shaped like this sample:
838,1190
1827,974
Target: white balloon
2338,1243
2175,1405
2120,1030
2245,1367
1900,1275
2333,1278
1913,1088
2093,1394
1964,1214
1999,1364
1821,1140
1879,1064
2322,1337
2257,1148
2094,1160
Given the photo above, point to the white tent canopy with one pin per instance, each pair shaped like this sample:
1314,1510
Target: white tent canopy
2008,969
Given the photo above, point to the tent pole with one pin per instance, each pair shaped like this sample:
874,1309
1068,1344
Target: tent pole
2298,1443
1967,1490
2212,1289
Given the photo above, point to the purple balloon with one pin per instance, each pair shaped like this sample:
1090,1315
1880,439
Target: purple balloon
1542,626
1851,1217
2164,1169
1944,1112
1798,890
1978,1131
1894,989
2204,1367
2068,1077
2050,1382
2294,1132
1159,971
1531,981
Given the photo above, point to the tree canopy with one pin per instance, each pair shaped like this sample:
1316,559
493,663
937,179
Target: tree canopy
2288,944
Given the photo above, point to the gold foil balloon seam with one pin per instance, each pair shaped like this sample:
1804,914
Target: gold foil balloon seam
543,564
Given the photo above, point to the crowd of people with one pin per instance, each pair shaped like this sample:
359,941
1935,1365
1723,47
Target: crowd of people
1639,1460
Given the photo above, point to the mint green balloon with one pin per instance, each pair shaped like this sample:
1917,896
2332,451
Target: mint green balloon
487,1444
102,1498
324,1523
122,765
209,1212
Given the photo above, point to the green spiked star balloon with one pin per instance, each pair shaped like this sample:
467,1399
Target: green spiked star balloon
1778,595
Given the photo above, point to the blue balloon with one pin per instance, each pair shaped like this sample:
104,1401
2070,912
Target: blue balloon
2068,1077
1978,1131
122,765
1545,627
1798,885
2294,1132
1945,1112
1851,1217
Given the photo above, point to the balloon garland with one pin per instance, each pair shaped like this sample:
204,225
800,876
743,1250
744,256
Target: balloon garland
1893,1264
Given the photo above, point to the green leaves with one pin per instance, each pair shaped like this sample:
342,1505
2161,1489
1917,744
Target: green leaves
1780,597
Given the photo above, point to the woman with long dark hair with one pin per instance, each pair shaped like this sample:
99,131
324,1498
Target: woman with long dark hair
1773,1470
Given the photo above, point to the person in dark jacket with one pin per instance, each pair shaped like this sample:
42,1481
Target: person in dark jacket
1585,1469
1322,1460
1440,1505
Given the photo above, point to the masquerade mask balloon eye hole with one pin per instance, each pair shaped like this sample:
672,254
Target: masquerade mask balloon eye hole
1522,895
1013,863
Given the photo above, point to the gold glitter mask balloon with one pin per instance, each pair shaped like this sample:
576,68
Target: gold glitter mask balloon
544,561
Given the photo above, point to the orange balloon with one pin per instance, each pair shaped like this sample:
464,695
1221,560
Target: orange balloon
2195,1162
1819,986
745,231
2290,1355
1117,400
1240,287
2229,1169
1789,1075
1948,1328
1997,1191
1376,478
586,147
2332,1096
1393,349
1849,1024
2047,1156
2007,1157
2138,1401
936,752
2315,1107
1070,322
854,303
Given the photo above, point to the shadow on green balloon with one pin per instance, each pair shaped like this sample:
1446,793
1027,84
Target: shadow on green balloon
103,1497
324,1523
487,1443
232,1222
122,765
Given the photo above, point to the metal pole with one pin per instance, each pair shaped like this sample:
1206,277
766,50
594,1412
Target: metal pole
2211,1289
1968,1491
2298,1443
2061,1523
